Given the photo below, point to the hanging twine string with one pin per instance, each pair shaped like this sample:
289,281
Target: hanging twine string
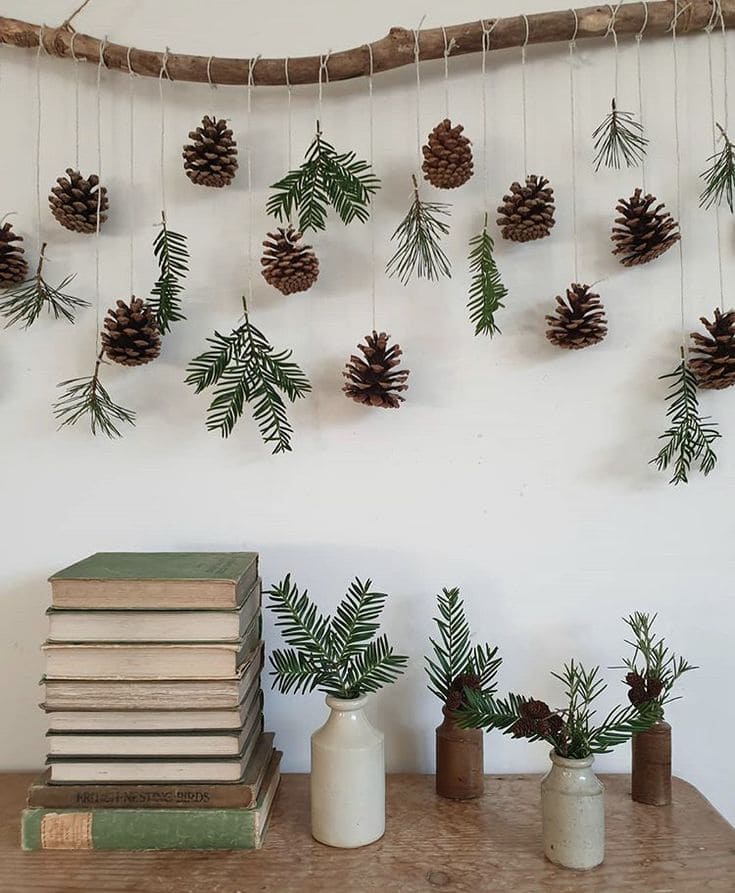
677,147
448,47
131,159
638,39
611,31
573,125
709,27
371,158
97,290
162,161
486,32
721,17
251,217
323,79
76,100
38,140
523,96
289,113
211,83
417,66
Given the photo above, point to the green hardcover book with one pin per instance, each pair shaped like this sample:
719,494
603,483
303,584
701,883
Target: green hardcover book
152,829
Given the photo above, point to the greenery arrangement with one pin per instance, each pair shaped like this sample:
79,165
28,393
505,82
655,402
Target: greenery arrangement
572,730
341,655
247,369
419,235
619,139
456,665
690,436
172,255
486,288
87,398
719,177
326,178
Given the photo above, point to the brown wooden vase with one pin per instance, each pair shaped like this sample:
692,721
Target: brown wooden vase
459,760
651,769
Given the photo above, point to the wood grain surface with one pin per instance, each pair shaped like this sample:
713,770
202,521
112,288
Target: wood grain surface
489,845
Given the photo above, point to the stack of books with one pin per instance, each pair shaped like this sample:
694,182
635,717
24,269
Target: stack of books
154,706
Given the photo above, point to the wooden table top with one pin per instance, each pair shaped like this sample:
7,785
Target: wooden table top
490,845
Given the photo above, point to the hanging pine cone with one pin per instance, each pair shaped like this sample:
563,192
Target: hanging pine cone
527,212
447,156
211,160
579,321
287,266
74,201
131,336
375,381
644,230
713,358
13,266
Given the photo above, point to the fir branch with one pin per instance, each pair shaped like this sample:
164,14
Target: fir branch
374,666
719,177
172,255
486,288
87,397
619,138
689,438
27,301
419,234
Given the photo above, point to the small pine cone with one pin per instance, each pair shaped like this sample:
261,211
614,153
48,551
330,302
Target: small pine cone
654,687
643,231
527,212
634,679
579,321
638,695
466,680
211,159
13,266
375,381
131,336
534,710
523,728
556,723
75,201
447,156
454,700
712,358
287,266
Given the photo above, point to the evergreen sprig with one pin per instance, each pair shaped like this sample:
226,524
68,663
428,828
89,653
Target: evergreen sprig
689,438
339,655
172,255
619,139
87,397
247,369
419,234
486,288
326,178
719,177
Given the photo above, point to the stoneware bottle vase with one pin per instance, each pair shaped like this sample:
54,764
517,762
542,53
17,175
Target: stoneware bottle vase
459,760
347,777
573,811
651,765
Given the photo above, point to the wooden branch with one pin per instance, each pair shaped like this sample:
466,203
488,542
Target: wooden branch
392,51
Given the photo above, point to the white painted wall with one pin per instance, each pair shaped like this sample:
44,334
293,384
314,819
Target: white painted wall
514,470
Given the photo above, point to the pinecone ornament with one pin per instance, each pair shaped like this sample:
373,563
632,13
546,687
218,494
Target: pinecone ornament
712,359
375,380
579,320
75,201
287,266
644,230
447,156
211,159
131,336
13,266
527,212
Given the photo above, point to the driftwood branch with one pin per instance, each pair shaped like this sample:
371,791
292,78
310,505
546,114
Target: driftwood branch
392,51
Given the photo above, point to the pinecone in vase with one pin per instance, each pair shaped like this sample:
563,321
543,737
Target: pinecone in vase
131,336
579,320
527,212
644,230
375,380
466,680
288,266
447,156
13,266
712,359
75,201
523,728
534,710
654,686
211,159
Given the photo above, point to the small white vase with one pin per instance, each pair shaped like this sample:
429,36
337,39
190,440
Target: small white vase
573,811
347,777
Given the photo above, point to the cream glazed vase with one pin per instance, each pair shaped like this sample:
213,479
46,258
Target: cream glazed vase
347,777
573,811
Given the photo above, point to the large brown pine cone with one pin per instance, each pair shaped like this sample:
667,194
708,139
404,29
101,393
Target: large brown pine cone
211,159
287,266
13,266
75,200
375,380
579,320
130,336
644,230
527,212
447,156
712,359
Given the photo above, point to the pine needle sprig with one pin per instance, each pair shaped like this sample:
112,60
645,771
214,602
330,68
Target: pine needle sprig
28,300
719,177
486,288
619,139
172,254
419,233
689,438
87,397
326,178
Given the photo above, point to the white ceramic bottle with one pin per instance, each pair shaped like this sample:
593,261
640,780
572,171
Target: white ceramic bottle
573,810
347,777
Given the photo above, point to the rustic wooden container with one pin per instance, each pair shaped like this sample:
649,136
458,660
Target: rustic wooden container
459,760
651,769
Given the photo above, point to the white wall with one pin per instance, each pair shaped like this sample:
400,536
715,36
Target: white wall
514,470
